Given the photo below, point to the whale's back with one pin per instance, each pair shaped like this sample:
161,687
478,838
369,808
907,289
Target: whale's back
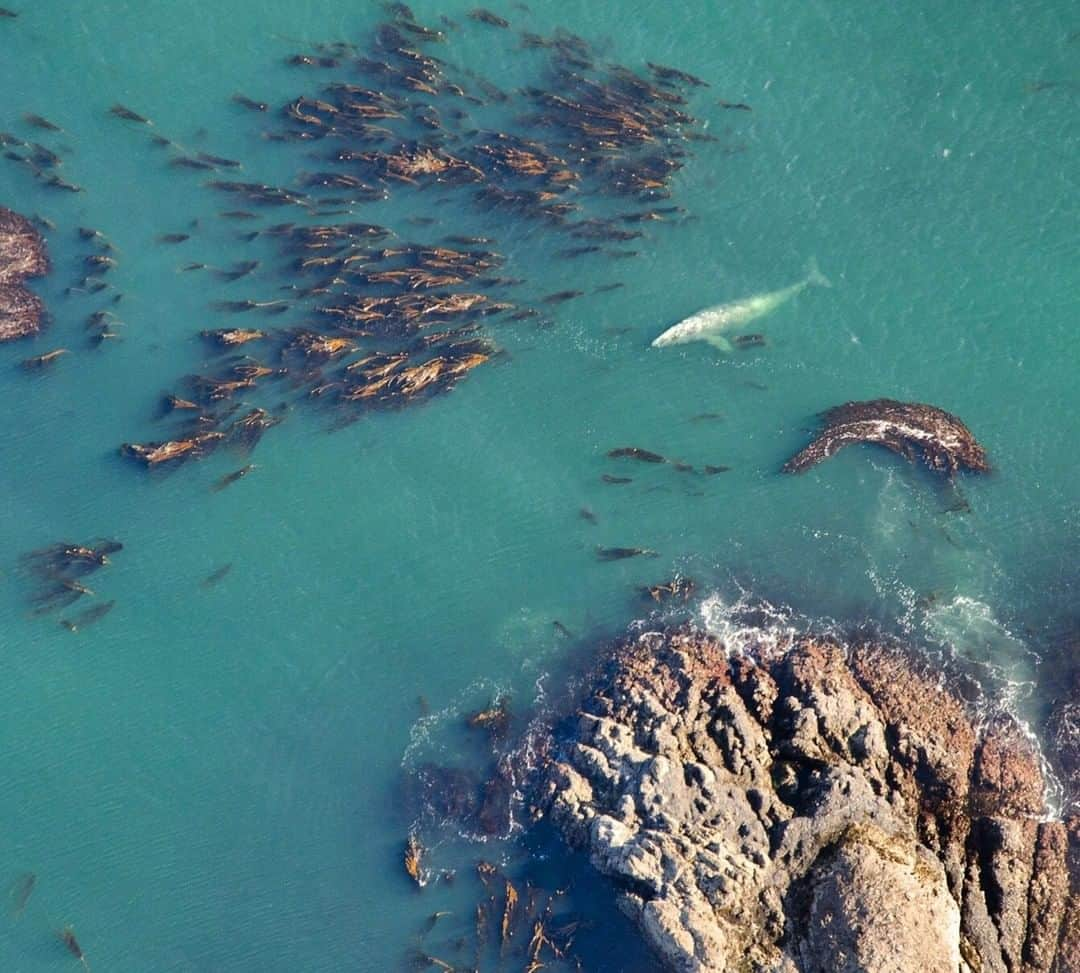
697,326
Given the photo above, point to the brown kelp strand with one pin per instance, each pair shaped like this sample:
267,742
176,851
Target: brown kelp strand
249,103
677,589
88,616
487,17
245,432
622,553
495,719
41,361
39,121
128,115
636,452
232,337
413,856
231,478
259,193
216,576
20,891
170,451
515,924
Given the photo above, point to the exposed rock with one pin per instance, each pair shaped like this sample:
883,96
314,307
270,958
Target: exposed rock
21,312
1068,958
22,250
817,809
852,923
1007,774
22,255
910,429
1063,731
1060,686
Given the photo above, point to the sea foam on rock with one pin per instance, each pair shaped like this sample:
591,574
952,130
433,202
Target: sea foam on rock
22,254
817,808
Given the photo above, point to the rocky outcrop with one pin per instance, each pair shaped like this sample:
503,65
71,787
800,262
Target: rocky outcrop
22,255
817,809
910,429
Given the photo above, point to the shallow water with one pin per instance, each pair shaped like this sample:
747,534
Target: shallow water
209,779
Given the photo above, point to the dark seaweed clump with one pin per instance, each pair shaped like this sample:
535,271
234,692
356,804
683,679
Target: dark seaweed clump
62,572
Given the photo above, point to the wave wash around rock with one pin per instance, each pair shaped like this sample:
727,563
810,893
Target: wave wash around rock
816,809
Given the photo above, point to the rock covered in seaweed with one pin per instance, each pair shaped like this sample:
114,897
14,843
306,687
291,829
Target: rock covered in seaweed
820,808
910,429
22,254
22,250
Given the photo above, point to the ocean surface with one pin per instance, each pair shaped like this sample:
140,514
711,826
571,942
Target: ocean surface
215,778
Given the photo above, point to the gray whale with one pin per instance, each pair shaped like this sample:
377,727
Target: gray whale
910,429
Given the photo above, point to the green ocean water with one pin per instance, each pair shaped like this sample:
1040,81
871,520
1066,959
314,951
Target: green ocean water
210,779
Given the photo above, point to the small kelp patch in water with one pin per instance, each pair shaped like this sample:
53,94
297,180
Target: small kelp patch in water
230,478
516,924
155,454
232,337
217,575
60,568
414,853
622,553
88,617
635,452
20,891
678,588
495,719
41,361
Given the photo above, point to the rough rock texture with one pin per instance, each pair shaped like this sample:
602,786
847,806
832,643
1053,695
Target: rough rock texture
22,255
909,429
823,809
1061,684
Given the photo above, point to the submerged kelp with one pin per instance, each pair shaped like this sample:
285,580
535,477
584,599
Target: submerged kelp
60,570
516,924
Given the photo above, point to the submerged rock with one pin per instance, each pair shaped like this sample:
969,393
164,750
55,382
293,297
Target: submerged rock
819,809
22,255
910,429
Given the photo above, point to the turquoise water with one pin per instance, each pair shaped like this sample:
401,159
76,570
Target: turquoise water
211,779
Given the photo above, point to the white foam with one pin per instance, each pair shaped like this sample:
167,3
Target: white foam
424,740
963,627
738,626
